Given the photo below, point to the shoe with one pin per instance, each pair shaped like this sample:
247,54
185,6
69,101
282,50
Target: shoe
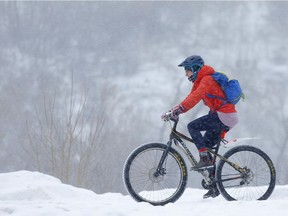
213,192
204,162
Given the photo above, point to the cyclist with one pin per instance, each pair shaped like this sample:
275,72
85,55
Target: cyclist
221,117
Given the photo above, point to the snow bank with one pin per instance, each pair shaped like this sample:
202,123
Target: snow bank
26,193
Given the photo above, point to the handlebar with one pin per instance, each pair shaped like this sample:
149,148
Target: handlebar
170,119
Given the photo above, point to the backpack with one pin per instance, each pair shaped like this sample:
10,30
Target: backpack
231,88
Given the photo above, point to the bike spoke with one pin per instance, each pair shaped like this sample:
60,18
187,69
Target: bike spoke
252,182
149,183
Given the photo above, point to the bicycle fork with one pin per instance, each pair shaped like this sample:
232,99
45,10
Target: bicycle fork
160,169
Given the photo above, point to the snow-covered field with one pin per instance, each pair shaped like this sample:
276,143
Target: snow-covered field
26,193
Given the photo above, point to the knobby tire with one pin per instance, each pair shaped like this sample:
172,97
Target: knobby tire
258,184
141,182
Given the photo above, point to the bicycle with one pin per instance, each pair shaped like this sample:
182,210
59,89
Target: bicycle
157,173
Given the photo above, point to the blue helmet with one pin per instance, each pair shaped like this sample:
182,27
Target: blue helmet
193,63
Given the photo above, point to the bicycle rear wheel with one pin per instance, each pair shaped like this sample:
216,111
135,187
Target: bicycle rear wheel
145,184
256,183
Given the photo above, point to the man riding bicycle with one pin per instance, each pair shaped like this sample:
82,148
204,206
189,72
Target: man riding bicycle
221,117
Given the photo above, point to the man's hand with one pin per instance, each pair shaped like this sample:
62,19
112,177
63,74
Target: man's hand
173,113
166,116
176,111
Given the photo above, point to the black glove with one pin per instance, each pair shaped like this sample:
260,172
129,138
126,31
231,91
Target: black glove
176,111
173,113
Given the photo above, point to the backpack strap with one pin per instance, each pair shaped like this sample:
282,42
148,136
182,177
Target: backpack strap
218,97
220,78
215,96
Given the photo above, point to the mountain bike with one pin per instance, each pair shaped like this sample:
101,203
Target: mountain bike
157,173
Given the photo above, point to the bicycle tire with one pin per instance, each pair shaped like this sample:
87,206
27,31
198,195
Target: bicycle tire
257,185
143,186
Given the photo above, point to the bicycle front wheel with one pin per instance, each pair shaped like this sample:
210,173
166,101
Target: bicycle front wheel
257,179
147,184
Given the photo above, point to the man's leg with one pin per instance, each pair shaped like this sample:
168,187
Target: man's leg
211,138
212,125
209,123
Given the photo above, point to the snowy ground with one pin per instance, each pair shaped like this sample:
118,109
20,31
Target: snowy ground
26,193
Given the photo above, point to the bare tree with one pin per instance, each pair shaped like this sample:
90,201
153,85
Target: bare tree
65,139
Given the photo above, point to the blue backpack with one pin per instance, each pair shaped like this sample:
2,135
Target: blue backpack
231,88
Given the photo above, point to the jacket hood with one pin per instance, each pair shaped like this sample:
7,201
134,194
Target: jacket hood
205,71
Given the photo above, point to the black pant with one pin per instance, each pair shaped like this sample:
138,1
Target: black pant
213,127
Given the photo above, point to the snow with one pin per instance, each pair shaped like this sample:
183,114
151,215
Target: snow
24,193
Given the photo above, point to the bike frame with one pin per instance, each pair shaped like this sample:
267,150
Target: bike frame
176,138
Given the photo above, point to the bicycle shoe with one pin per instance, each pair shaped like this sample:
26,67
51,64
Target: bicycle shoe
204,163
213,192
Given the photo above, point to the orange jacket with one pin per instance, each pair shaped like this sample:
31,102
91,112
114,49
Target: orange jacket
203,85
